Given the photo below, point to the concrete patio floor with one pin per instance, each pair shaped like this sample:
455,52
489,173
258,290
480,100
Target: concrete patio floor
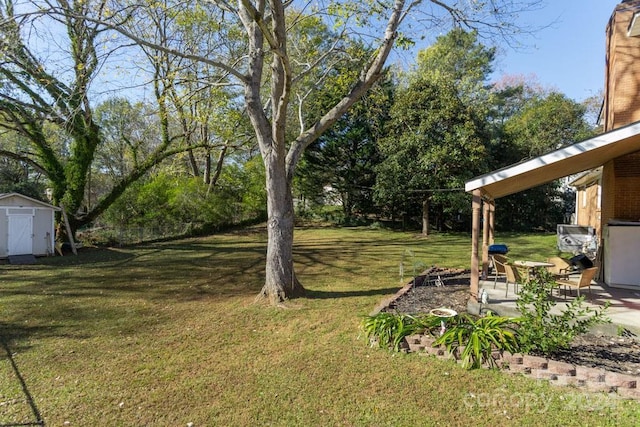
624,310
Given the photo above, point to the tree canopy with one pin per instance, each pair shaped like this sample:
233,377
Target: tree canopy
539,123
437,134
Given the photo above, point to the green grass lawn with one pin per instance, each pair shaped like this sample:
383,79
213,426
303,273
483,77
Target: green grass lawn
168,334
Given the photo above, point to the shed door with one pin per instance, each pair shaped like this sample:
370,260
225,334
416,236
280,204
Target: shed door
20,234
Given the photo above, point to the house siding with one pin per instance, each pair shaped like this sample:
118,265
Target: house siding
607,207
621,177
627,201
588,213
622,77
4,233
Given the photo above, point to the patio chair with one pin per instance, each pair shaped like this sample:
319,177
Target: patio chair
561,268
499,262
513,276
583,282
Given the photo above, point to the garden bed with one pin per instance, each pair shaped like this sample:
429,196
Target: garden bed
449,288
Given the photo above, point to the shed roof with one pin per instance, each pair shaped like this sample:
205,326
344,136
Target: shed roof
5,197
569,160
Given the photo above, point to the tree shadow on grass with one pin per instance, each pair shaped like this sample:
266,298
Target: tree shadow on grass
311,294
27,397
11,333
89,255
172,272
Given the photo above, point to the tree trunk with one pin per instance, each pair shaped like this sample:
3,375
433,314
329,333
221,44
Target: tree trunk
281,282
206,176
280,164
347,208
212,181
425,216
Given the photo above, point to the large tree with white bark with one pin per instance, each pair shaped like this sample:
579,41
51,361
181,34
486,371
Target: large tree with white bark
256,48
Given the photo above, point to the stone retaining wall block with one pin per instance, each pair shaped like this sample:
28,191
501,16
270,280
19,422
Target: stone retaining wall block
590,374
535,362
562,368
615,379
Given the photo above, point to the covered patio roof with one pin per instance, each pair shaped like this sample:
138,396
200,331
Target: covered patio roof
572,159
569,160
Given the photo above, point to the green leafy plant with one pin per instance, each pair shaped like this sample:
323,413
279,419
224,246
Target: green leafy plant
389,329
478,338
540,330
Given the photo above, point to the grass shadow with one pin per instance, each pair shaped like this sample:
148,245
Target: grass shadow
28,397
311,294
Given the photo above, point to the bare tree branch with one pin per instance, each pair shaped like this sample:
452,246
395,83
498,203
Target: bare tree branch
365,82
25,158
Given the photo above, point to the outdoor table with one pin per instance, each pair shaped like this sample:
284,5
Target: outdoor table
533,265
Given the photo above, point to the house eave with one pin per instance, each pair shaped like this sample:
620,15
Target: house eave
566,161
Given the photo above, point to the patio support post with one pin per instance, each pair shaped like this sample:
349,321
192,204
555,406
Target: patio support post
485,238
475,234
492,220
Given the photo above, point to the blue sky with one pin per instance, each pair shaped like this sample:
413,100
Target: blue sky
569,55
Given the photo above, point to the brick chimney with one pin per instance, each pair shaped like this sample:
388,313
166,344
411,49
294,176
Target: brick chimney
621,177
622,66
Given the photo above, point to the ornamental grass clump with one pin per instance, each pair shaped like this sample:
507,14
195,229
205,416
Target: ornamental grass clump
471,339
479,338
389,329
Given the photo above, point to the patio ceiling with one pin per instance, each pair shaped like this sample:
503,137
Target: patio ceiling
565,161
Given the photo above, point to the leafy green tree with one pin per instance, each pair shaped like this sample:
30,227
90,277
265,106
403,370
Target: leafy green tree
128,135
183,203
15,178
546,123
254,198
435,143
345,156
539,123
437,133
461,59
17,175
49,104
197,105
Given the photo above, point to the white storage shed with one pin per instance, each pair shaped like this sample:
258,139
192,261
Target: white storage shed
26,226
